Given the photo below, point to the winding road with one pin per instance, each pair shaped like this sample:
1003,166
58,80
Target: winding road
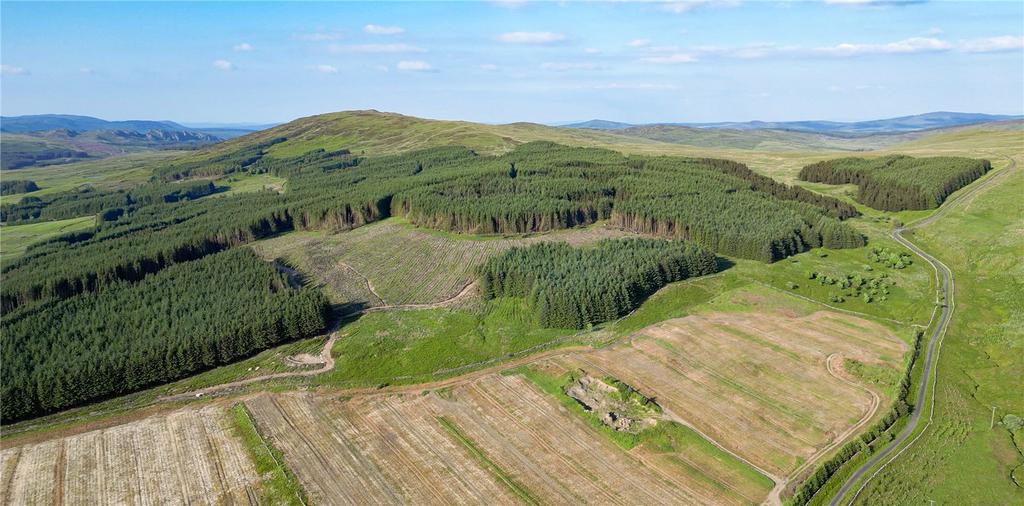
934,347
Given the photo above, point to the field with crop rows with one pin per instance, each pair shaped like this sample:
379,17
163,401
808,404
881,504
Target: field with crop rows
496,439
393,263
734,375
186,457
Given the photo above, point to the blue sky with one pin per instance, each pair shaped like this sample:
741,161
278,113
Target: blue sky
513,61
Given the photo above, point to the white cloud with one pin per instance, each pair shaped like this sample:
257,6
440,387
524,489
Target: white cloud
993,44
318,36
639,43
510,4
11,70
375,48
906,46
670,59
414,66
383,30
676,7
224,65
243,47
566,66
490,67
326,69
531,37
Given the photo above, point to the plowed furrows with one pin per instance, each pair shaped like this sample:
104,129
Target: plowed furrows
120,476
721,490
793,410
33,478
429,469
370,477
573,442
528,464
238,471
877,337
823,398
158,476
8,463
200,475
221,485
181,466
660,485
81,480
720,419
304,452
377,441
416,426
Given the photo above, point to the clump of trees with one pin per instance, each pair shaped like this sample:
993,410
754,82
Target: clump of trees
867,288
14,186
182,320
571,287
87,200
898,182
893,259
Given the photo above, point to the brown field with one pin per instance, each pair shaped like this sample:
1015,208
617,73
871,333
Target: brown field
394,449
757,383
394,263
185,457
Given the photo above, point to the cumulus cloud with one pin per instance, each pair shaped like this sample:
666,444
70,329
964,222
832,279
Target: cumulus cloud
670,59
490,67
566,66
383,30
993,44
11,70
532,37
414,66
318,36
639,43
326,69
223,65
243,47
375,48
906,46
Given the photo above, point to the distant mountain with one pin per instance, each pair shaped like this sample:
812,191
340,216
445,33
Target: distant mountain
44,122
913,123
599,124
49,139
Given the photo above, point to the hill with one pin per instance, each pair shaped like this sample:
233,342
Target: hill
917,122
49,139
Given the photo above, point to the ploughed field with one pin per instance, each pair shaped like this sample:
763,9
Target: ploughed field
189,456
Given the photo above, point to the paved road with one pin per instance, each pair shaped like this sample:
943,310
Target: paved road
934,344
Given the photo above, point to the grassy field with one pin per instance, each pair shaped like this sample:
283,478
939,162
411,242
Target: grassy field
14,239
114,172
961,459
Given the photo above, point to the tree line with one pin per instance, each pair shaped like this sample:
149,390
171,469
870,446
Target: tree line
898,182
182,320
571,287
15,186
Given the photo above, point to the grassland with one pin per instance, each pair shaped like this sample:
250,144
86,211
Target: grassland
111,173
962,459
14,239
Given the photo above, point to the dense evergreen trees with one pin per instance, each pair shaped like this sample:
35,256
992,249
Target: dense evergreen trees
576,287
184,319
897,183
87,200
14,186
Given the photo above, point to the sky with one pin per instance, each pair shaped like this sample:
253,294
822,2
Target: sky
496,62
